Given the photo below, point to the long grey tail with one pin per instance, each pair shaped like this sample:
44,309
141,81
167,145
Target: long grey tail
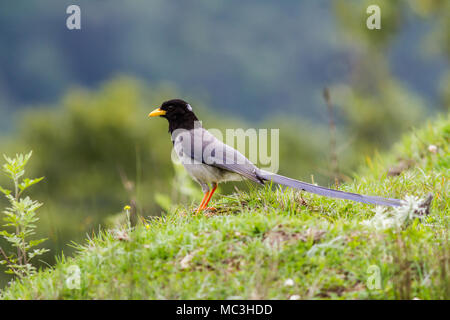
268,176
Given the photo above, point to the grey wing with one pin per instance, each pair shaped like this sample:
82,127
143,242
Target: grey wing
202,147
227,158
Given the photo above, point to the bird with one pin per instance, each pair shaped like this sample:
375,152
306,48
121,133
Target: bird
209,161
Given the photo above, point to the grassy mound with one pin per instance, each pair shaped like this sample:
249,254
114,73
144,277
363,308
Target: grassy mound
270,244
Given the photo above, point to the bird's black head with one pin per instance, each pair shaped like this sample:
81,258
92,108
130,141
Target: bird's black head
178,112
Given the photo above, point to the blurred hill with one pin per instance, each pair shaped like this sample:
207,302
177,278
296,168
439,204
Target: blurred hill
250,56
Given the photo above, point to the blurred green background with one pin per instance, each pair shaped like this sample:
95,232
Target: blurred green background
80,98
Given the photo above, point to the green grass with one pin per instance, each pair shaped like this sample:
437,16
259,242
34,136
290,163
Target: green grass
260,239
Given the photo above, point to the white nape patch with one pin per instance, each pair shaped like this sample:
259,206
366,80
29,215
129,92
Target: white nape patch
189,107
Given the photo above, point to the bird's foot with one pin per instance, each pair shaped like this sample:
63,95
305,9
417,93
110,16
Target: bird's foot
205,209
210,211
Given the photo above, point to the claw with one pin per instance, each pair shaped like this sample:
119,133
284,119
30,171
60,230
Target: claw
210,211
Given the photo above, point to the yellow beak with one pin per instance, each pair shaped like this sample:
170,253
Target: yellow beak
157,112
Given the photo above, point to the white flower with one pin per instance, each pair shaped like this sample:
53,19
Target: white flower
399,216
432,148
186,261
289,283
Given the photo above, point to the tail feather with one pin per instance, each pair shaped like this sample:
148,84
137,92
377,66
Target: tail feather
267,176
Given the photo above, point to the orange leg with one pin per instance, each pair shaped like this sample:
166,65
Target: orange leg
209,197
205,196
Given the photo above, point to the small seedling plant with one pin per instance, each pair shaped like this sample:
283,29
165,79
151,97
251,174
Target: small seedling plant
20,218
